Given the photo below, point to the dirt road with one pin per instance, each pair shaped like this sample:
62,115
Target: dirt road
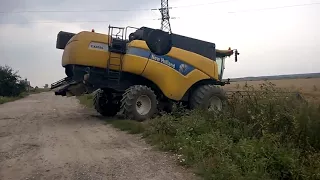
48,137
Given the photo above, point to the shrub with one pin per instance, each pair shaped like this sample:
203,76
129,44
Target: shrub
10,83
262,134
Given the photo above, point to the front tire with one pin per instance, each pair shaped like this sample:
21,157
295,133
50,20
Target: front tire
208,97
103,104
139,103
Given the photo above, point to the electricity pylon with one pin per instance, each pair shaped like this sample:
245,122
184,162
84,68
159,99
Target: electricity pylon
165,18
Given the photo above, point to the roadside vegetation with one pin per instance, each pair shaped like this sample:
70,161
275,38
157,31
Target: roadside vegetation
12,87
259,135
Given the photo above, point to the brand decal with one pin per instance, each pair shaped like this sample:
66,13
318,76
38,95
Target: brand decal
183,68
163,61
99,46
169,61
96,46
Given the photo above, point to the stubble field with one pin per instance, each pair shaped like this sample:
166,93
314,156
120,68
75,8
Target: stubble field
308,88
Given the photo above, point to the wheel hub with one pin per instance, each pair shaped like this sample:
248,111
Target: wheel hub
215,104
143,105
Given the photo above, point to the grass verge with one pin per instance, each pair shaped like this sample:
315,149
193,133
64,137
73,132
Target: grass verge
86,99
131,127
4,99
10,99
260,136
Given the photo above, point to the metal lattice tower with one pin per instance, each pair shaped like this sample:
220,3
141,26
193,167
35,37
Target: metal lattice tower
165,18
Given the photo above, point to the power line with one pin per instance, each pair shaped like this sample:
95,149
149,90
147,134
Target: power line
62,22
72,11
203,4
272,8
106,10
106,21
128,10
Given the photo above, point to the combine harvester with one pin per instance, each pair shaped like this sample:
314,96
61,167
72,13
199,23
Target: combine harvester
143,74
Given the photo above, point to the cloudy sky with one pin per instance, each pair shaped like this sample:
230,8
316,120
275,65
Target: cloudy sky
271,40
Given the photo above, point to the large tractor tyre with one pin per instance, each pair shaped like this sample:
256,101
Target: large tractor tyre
208,97
104,105
139,103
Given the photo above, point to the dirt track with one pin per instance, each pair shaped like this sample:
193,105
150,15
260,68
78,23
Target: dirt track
49,137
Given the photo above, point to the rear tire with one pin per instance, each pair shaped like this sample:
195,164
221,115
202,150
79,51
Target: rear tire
139,103
103,104
208,97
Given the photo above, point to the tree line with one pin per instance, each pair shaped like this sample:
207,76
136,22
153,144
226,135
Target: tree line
11,84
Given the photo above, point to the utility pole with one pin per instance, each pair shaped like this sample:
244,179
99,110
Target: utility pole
165,18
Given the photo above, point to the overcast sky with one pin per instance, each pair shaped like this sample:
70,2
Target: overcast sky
278,41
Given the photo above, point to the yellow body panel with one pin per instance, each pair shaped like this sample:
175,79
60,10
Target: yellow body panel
204,64
170,80
77,50
172,83
133,64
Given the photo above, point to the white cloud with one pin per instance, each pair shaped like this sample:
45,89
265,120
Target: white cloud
270,42
31,50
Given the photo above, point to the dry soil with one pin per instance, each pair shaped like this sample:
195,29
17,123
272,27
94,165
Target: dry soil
49,137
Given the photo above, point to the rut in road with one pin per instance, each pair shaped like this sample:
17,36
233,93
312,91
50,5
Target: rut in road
50,137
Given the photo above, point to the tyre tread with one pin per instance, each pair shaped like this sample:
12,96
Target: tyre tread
200,96
128,101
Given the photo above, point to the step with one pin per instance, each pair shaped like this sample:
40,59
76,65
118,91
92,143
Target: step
114,64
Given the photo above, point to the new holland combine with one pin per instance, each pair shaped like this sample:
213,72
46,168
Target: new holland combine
142,74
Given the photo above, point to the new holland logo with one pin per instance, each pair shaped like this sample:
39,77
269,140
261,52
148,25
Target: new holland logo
183,68
163,61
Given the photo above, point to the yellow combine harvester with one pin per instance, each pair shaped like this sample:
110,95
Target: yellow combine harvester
142,74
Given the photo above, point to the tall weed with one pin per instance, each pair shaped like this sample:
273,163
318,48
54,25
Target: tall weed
265,133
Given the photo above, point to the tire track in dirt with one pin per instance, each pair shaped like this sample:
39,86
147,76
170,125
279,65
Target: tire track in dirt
49,137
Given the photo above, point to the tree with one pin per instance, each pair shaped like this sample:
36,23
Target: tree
10,82
46,86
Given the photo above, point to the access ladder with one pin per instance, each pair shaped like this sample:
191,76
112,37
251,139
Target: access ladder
117,49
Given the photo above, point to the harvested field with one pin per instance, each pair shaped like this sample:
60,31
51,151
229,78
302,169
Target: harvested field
309,88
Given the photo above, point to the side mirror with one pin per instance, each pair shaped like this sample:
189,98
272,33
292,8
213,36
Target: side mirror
159,42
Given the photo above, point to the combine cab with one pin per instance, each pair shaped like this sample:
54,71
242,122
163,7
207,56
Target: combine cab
142,74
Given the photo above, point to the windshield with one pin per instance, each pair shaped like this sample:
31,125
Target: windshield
220,63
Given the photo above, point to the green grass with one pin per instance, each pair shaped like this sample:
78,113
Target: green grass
125,125
22,95
256,137
86,99
131,127
10,99
38,90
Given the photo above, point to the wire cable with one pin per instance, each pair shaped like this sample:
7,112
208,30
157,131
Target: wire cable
128,10
106,10
72,11
105,21
63,22
203,4
273,8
